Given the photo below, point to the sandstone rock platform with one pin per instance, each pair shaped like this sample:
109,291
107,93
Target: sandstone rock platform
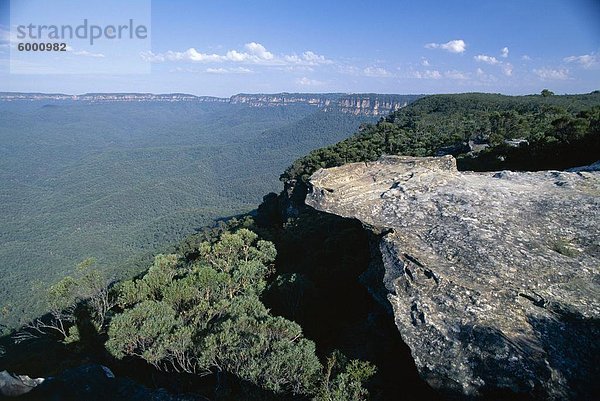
493,277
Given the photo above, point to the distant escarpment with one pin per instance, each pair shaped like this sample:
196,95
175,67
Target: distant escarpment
493,278
373,104
370,104
363,104
284,99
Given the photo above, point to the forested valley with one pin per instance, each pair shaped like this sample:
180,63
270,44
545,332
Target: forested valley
116,181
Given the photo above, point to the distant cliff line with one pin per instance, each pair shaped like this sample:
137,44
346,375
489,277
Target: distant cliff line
354,103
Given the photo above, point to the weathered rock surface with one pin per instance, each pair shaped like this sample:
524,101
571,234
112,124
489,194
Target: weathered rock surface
493,277
12,385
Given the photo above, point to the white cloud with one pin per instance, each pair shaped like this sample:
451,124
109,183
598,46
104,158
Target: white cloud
234,55
376,72
425,62
586,61
525,57
259,51
454,74
507,68
453,46
193,55
238,70
427,74
313,58
304,81
297,68
306,58
504,52
482,74
210,70
190,54
551,74
181,69
349,70
84,53
482,58
484,78
253,53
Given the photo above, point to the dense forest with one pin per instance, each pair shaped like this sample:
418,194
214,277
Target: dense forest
116,181
484,131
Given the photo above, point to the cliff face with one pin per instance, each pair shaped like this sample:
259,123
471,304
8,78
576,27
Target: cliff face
283,99
493,278
369,104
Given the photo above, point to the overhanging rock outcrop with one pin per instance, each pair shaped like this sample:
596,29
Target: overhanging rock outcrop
493,277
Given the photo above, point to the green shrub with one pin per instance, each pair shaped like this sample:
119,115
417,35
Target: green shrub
205,316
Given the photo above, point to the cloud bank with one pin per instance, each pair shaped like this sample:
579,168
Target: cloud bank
586,61
548,74
253,53
453,46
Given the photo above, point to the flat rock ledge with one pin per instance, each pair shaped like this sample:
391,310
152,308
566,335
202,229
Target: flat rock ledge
493,277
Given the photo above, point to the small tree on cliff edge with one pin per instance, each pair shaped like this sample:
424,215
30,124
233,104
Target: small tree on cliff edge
546,93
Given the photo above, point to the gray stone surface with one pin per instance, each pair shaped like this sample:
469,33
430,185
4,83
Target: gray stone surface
12,385
493,277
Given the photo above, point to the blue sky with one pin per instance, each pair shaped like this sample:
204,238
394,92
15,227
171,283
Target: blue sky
225,47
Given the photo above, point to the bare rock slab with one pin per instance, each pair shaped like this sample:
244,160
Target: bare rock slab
493,277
